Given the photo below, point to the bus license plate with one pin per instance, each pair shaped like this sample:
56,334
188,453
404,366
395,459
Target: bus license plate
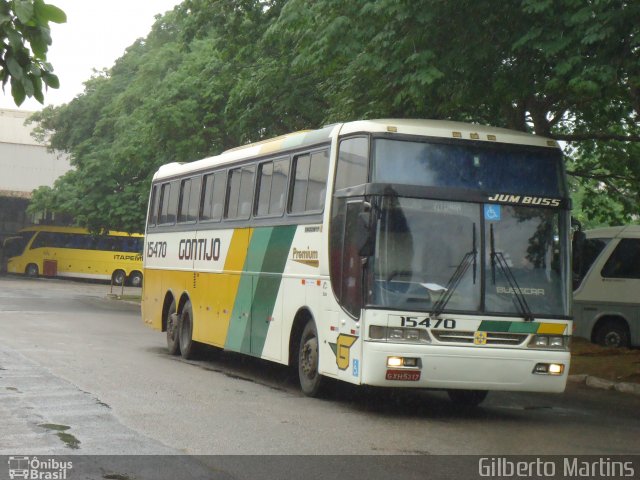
403,375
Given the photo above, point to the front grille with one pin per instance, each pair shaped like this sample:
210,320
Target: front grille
493,338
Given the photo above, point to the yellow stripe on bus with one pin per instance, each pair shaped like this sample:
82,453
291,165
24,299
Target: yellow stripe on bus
221,290
552,328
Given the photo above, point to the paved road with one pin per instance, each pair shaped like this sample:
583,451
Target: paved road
71,357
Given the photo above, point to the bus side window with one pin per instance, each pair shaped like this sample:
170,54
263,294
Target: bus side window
240,192
353,163
272,187
163,206
183,202
172,211
38,242
309,182
263,195
194,199
153,206
212,199
624,262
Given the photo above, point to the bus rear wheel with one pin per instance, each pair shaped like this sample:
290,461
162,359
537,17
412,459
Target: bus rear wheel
311,382
171,321
612,333
188,348
32,270
467,398
135,279
118,277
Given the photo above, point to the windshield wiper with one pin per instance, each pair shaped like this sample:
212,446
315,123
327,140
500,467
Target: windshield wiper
498,258
470,258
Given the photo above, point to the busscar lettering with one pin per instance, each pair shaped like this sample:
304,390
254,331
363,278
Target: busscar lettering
199,249
524,200
523,291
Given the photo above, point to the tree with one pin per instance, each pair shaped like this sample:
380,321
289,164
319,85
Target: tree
25,38
215,75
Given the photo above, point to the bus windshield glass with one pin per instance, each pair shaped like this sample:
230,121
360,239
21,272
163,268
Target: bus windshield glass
469,165
426,249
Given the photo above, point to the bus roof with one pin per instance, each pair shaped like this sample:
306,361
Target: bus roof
427,128
57,229
624,231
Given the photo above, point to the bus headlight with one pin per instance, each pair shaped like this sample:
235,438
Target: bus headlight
398,334
548,369
550,342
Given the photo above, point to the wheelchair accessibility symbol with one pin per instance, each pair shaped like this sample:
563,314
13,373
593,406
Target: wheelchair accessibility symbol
492,213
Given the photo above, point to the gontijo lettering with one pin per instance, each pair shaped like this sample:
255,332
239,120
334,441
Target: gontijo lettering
199,249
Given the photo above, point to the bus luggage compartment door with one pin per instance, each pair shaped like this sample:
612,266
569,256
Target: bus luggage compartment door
50,268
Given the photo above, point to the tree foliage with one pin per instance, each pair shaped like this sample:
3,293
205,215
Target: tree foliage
25,38
216,74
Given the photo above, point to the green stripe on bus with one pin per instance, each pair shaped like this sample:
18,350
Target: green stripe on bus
494,326
258,288
267,285
524,327
510,327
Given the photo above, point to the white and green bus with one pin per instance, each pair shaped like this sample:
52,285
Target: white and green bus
392,253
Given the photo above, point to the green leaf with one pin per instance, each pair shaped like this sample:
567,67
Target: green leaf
28,86
24,10
17,91
51,13
15,39
40,44
50,80
15,69
37,88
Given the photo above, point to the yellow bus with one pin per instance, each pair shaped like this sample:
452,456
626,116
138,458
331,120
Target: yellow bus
392,253
74,252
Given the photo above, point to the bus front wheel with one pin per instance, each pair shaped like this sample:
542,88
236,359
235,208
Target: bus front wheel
32,270
118,277
311,382
173,346
467,398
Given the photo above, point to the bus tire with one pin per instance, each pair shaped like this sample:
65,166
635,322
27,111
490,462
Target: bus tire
311,382
118,277
612,333
188,348
32,270
467,398
171,321
135,279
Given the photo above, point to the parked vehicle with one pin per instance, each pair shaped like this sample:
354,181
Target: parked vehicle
74,252
606,269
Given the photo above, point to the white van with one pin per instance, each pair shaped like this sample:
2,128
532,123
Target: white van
606,296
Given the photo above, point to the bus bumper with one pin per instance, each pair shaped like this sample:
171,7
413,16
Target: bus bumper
469,368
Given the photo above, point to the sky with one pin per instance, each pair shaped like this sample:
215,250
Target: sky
97,33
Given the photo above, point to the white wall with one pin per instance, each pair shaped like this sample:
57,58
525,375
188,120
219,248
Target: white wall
24,164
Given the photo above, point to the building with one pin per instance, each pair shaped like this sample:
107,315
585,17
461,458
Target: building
25,165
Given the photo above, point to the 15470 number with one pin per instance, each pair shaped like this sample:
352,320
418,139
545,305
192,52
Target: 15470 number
448,323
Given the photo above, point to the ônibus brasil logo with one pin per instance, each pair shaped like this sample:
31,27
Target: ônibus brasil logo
36,469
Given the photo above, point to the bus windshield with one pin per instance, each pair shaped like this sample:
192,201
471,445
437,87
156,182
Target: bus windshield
471,166
423,245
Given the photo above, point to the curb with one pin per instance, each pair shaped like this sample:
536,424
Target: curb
604,384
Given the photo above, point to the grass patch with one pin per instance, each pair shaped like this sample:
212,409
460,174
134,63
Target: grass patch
617,364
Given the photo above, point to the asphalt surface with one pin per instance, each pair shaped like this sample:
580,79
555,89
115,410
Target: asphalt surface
81,374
